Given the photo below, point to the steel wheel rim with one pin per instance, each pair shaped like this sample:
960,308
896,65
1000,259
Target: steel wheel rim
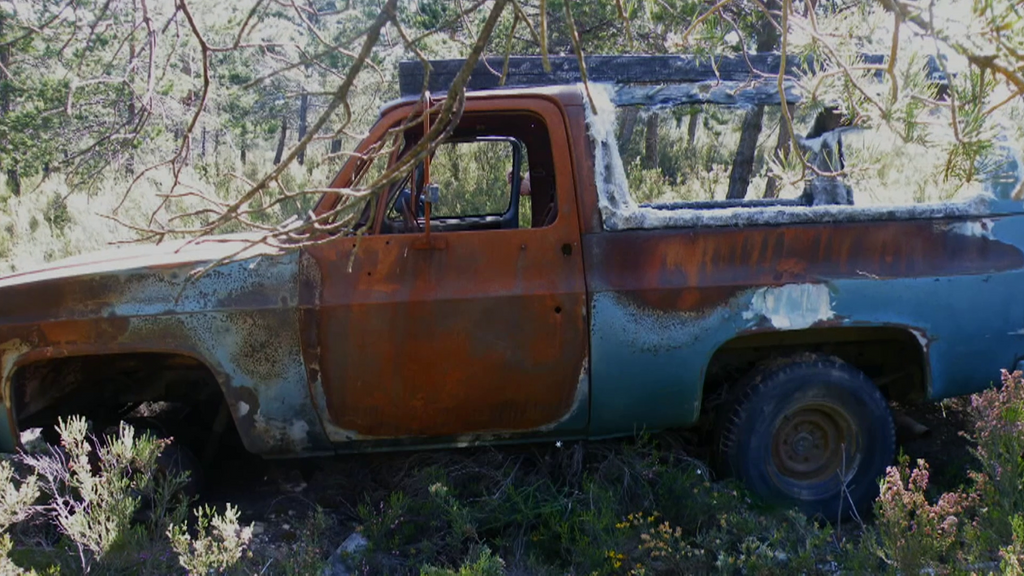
813,442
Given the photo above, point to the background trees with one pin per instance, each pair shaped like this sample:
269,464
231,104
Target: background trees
129,119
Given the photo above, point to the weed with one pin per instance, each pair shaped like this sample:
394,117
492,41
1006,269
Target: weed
219,542
95,490
113,511
1012,555
914,533
482,562
308,556
998,435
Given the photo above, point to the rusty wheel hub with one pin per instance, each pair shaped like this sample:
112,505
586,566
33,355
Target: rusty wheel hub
809,443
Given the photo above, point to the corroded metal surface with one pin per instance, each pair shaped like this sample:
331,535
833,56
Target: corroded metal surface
240,319
693,269
480,336
484,331
668,300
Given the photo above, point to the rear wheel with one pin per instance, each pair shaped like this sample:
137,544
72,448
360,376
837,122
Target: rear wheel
811,432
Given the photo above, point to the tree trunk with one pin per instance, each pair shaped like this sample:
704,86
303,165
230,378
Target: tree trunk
280,141
651,142
771,189
303,111
743,163
691,129
13,177
628,125
129,161
768,35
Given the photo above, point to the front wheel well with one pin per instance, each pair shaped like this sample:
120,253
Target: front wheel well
893,358
176,393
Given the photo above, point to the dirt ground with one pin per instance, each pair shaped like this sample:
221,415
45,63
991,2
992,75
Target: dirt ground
945,447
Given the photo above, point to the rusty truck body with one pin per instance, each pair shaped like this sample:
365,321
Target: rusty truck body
790,324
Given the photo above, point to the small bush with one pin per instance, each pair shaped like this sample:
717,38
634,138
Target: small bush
915,533
1012,555
998,435
218,545
112,508
482,562
597,509
309,553
580,510
982,521
95,490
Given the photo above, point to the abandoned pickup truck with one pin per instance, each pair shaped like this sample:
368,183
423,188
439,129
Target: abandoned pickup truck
587,302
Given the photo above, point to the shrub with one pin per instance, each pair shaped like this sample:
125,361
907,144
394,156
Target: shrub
482,562
1012,555
211,550
982,521
580,510
308,554
998,433
17,503
913,532
95,491
112,507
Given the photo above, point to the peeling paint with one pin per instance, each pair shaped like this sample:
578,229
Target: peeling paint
645,360
922,338
651,331
976,228
581,402
260,355
10,351
793,306
292,435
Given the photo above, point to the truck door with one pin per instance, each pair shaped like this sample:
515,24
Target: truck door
479,328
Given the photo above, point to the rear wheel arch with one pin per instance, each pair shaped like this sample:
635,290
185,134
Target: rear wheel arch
895,358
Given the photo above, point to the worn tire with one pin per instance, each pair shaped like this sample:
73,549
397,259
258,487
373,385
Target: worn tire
793,427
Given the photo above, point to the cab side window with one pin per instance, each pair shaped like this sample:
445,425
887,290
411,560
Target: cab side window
474,183
483,178
472,177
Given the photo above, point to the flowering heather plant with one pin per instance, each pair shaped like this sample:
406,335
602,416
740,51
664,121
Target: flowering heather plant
914,533
998,432
983,520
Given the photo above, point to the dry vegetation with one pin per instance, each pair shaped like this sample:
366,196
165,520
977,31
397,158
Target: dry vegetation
640,506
